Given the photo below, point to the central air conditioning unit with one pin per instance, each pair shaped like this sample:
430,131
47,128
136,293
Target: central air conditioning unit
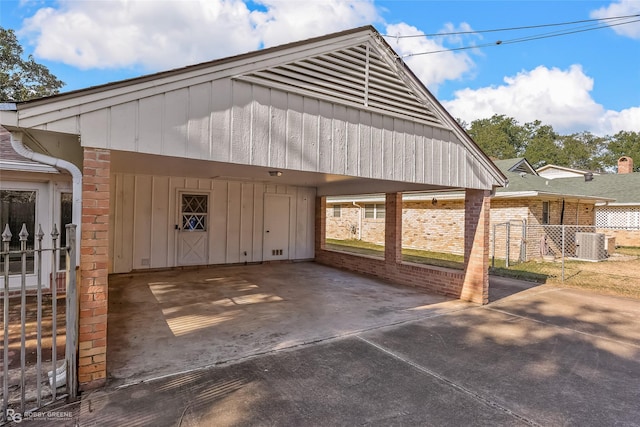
590,246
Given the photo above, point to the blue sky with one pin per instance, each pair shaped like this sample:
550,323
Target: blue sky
584,81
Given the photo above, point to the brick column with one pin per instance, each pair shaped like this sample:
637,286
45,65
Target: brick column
393,229
321,223
94,258
475,287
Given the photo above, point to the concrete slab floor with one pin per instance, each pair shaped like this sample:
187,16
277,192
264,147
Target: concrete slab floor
162,323
544,356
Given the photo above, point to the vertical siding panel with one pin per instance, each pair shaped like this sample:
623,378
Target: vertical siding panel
310,135
150,124
339,164
437,159
293,155
233,222
365,161
198,129
123,126
429,153
260,125
220,138
278,140
419,152
191,183
241,123
121,262
446,171
325,142
388,148
409,169
128,198
377,149
302,230
258,221
353,143
175,184
92,126
161,221
246,223
293,211
218,224
142,223
176,107
398,149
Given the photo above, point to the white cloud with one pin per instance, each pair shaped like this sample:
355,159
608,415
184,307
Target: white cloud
557,97
432,69
154,34
284,21
621,8
165,34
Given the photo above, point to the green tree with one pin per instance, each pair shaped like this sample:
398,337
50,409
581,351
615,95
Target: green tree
541,145
583,151
500,136
22,79
623,143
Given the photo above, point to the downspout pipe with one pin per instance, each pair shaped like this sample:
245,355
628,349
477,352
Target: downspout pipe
359,219
60,164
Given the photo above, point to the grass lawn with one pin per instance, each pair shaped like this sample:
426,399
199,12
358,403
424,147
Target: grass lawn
619,275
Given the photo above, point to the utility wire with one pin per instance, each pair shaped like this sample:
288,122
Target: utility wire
528,27
530,38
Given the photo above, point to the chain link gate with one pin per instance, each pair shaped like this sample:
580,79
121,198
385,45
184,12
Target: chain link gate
35,382
508,242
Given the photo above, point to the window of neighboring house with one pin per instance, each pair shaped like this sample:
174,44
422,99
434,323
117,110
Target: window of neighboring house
337,211
66,210
545,212
374,211
18,208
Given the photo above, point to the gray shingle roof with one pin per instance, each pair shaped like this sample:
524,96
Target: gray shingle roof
624,188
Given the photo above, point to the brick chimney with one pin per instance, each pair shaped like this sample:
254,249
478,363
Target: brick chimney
625,164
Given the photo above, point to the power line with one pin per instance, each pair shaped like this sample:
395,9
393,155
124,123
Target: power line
533,37
528,27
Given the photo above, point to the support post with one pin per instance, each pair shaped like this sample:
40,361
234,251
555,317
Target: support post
475,287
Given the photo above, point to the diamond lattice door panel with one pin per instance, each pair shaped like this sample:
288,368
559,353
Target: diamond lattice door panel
193,234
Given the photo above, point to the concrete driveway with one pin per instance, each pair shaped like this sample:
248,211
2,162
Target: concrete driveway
541,356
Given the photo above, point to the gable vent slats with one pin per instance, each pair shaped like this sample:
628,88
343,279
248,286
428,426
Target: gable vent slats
352,75
335,91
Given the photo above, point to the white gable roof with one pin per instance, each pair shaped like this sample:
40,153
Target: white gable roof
345,96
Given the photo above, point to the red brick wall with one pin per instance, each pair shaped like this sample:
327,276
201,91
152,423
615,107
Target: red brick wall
471,284
94,259
475,287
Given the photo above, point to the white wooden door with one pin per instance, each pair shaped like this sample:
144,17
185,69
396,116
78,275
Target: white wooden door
277,225
193,229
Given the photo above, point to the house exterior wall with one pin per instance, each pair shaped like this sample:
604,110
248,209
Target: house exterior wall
439,227
233,121
145,214
470,284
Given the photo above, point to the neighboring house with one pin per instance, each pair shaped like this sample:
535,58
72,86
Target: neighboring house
231,162
36,195
553,172
619,217
435,221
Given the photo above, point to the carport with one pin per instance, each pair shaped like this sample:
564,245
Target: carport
230,162
162,323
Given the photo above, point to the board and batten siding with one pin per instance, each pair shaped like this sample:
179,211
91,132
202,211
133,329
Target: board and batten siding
238,122
145,211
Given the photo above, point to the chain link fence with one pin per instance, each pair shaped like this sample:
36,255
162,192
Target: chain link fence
580,254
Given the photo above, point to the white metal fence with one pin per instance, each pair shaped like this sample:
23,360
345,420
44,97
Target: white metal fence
30,324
